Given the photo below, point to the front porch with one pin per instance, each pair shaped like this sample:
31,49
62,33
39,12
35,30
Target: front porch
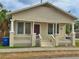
25,34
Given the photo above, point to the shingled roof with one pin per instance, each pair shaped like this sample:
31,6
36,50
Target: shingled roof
16,11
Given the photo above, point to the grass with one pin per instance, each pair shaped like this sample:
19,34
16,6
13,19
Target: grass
1,46
77,43
4,46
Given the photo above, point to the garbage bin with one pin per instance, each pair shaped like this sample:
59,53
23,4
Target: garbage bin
5,41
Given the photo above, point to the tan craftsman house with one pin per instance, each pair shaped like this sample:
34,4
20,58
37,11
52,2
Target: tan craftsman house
41,25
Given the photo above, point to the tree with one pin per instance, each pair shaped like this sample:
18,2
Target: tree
77,25
4,19
68,28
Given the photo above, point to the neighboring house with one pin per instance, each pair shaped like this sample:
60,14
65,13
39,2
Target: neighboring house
44,19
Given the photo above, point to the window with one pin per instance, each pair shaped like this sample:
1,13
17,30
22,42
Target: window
50,29
23,28
53,29
27,28
57,28
20,28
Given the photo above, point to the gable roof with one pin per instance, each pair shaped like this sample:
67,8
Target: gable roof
13,12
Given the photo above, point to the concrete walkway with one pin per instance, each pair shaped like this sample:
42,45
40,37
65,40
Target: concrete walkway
35,49
38,53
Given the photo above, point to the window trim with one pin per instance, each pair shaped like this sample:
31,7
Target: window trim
53,26
25,27
39,26
16,26
48,28
58,29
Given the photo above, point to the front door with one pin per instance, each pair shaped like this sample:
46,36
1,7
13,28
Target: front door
37,29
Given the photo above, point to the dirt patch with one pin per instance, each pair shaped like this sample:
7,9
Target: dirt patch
26,55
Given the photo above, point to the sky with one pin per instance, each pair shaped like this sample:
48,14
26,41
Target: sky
72,5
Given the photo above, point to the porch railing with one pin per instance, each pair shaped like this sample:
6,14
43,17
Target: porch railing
40,37
62,40
20,40
36,40
54,39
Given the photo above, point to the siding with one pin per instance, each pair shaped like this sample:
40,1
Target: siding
43,14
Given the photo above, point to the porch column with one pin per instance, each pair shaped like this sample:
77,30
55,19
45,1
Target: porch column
56,35
33,34
73,35
56,30
11,33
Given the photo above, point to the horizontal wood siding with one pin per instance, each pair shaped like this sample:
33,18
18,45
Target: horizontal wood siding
43,14
22,40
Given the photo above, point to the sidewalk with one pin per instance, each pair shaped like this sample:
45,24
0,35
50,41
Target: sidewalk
35,49
27,53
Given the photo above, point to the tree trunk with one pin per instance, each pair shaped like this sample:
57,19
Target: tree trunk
5,29
1,34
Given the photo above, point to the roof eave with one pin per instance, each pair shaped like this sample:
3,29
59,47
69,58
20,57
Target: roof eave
13,12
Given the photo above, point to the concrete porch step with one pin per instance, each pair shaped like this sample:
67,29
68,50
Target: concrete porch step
47,44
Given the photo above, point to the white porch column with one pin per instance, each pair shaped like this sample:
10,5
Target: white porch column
73,35
11,33
33,34
53,28
56,34
56,30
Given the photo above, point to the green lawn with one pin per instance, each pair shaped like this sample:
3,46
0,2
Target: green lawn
77,43
2,47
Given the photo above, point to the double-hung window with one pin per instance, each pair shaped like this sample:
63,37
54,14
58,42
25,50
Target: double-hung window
53,29
57,28
20,28
50,29
27,28
23,28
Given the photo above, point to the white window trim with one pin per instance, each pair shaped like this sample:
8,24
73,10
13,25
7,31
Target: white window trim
59,28
54,33
17,27
56,29
53,28
39,25
24,27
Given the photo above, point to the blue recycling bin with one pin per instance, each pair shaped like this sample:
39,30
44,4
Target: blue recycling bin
5,41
